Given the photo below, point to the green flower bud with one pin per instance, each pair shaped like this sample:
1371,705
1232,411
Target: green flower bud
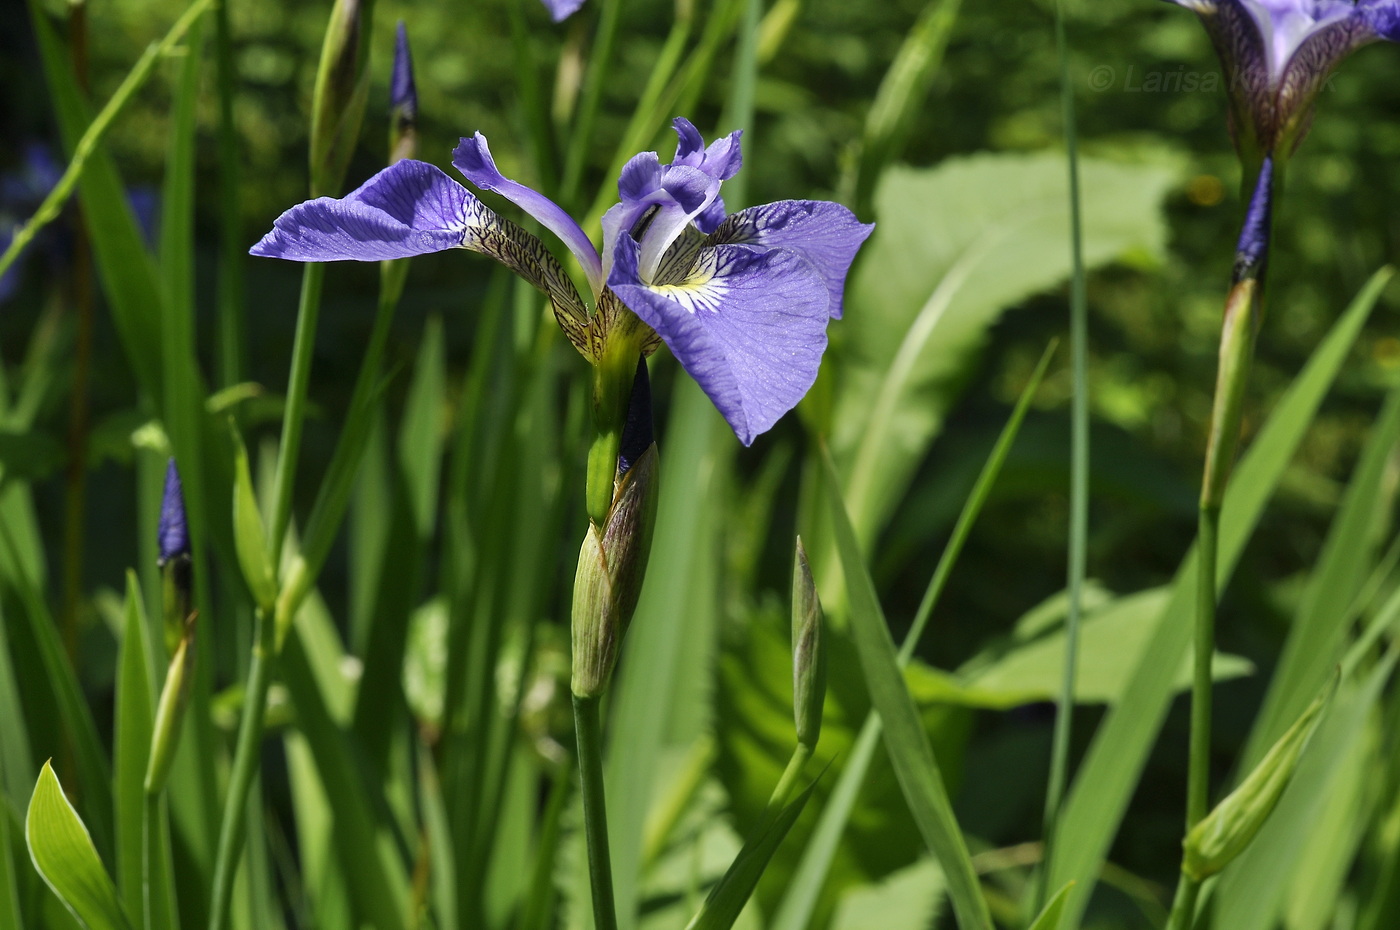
1227,830
808,652
170,713
342,87
611,566
249,537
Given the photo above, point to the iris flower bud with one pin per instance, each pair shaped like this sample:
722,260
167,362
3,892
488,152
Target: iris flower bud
173,541
808,652
170,712
613,559
342,86
403,102
1227,830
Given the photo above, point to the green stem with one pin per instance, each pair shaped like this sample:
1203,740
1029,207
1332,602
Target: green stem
780,796
1079,475
245,764
1198,772
308,309
231,246
588,730
1183,914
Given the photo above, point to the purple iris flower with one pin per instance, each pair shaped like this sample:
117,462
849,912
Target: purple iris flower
743,300
1278,54
560,10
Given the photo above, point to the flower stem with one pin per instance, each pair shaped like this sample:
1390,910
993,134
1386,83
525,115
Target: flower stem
308,309
780,796
588,730
245,764
1183,914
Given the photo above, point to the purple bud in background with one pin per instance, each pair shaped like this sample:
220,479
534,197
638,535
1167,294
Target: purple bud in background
403,102
174,531
560,10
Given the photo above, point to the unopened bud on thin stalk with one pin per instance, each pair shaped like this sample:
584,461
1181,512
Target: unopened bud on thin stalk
403,102
342,86
173,542
1243,311
170,713
1228,830
612,562
808,652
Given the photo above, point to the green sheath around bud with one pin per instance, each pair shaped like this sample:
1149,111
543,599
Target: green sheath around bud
1228,829
170,713
342,88
611,566
808,652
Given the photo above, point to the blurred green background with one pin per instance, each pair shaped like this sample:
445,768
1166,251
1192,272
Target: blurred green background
1154,326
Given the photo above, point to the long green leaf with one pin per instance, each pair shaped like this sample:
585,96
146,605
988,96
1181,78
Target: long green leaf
63,853
905,739
1110,771
798,904
1316,637
1054,911
728,897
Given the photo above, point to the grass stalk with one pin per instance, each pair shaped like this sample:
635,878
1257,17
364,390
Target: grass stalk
1079,470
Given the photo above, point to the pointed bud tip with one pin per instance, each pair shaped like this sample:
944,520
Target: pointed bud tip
638,433
403,93
173,532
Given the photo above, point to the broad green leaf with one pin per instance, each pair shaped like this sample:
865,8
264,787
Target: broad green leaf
1112,639
727,899
421,436
953,247
63,853
905,739
1110,771
905,900
249,536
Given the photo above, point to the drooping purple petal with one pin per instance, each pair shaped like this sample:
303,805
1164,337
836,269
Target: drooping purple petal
472,157
560,10
826,234
173,531
409,208
748,325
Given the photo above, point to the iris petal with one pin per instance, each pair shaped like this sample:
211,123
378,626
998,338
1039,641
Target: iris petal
560,10
748,325
409,208
826,234
473,159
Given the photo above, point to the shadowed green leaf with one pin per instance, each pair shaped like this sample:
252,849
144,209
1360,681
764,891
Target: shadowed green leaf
905,739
